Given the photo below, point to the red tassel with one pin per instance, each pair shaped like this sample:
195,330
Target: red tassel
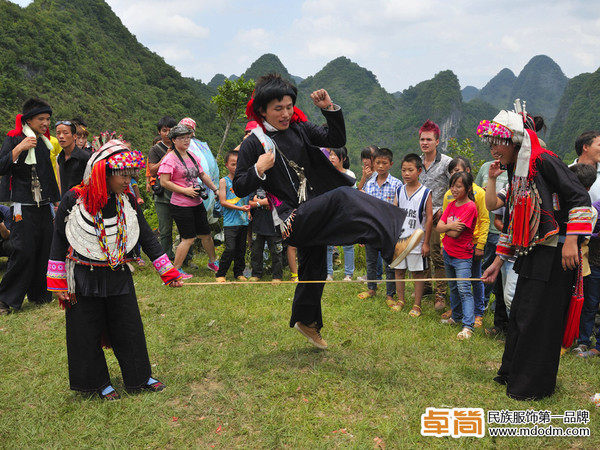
18,127
95,194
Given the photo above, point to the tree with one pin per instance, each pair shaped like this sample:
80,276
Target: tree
230,102
466,149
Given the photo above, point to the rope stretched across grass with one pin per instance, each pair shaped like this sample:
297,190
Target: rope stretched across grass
277,283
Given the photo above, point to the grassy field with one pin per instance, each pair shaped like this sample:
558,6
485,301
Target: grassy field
239,377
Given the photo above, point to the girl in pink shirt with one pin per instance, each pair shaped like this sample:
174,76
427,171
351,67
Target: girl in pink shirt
458,222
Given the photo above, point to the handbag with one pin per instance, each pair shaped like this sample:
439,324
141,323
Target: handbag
157,189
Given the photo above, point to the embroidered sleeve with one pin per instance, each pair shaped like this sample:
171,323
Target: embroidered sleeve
580,221
56,276
503,248
168,273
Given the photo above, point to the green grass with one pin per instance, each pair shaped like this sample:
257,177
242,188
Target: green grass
239,377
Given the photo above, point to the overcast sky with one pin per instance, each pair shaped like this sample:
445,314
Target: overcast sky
403,42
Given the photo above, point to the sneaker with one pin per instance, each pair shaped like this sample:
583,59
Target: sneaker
220,279
184,275
465,333
347,278
405,245
329,278
214,266
311,333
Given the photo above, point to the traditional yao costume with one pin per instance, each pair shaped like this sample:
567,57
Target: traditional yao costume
94,237
545,202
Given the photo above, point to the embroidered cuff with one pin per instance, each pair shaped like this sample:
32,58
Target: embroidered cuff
503,248
56,276
168,273
580,221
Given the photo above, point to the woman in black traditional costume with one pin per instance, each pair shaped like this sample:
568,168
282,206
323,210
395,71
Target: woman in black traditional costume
547,211
97,227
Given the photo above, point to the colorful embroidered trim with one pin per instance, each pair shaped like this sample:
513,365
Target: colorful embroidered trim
56,276
168,273
580,221
493,133
132,159
114,260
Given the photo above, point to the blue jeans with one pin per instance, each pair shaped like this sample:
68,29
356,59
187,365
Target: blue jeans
461,298
373,256
348,260
591,293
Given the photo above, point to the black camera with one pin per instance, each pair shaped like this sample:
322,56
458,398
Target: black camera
201,192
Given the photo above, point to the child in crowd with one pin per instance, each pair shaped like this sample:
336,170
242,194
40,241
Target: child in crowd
384,187
339,159
591,272
462,164
88,271
263,230
235,223
458,223
366,157
415,199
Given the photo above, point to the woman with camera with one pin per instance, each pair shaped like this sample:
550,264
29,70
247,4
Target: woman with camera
180,172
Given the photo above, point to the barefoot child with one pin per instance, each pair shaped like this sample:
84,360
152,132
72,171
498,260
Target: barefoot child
415,199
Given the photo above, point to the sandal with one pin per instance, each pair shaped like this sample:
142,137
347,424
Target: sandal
478,322
365,295
447,314
415,311
395,306
466,333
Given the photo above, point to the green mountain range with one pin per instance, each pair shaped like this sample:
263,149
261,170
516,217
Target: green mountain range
78,55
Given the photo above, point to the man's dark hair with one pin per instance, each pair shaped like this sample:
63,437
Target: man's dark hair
34,106
459,159
72,125
585,173
585,138
367,152
413,158
166,121
384,153
271,87
229,154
